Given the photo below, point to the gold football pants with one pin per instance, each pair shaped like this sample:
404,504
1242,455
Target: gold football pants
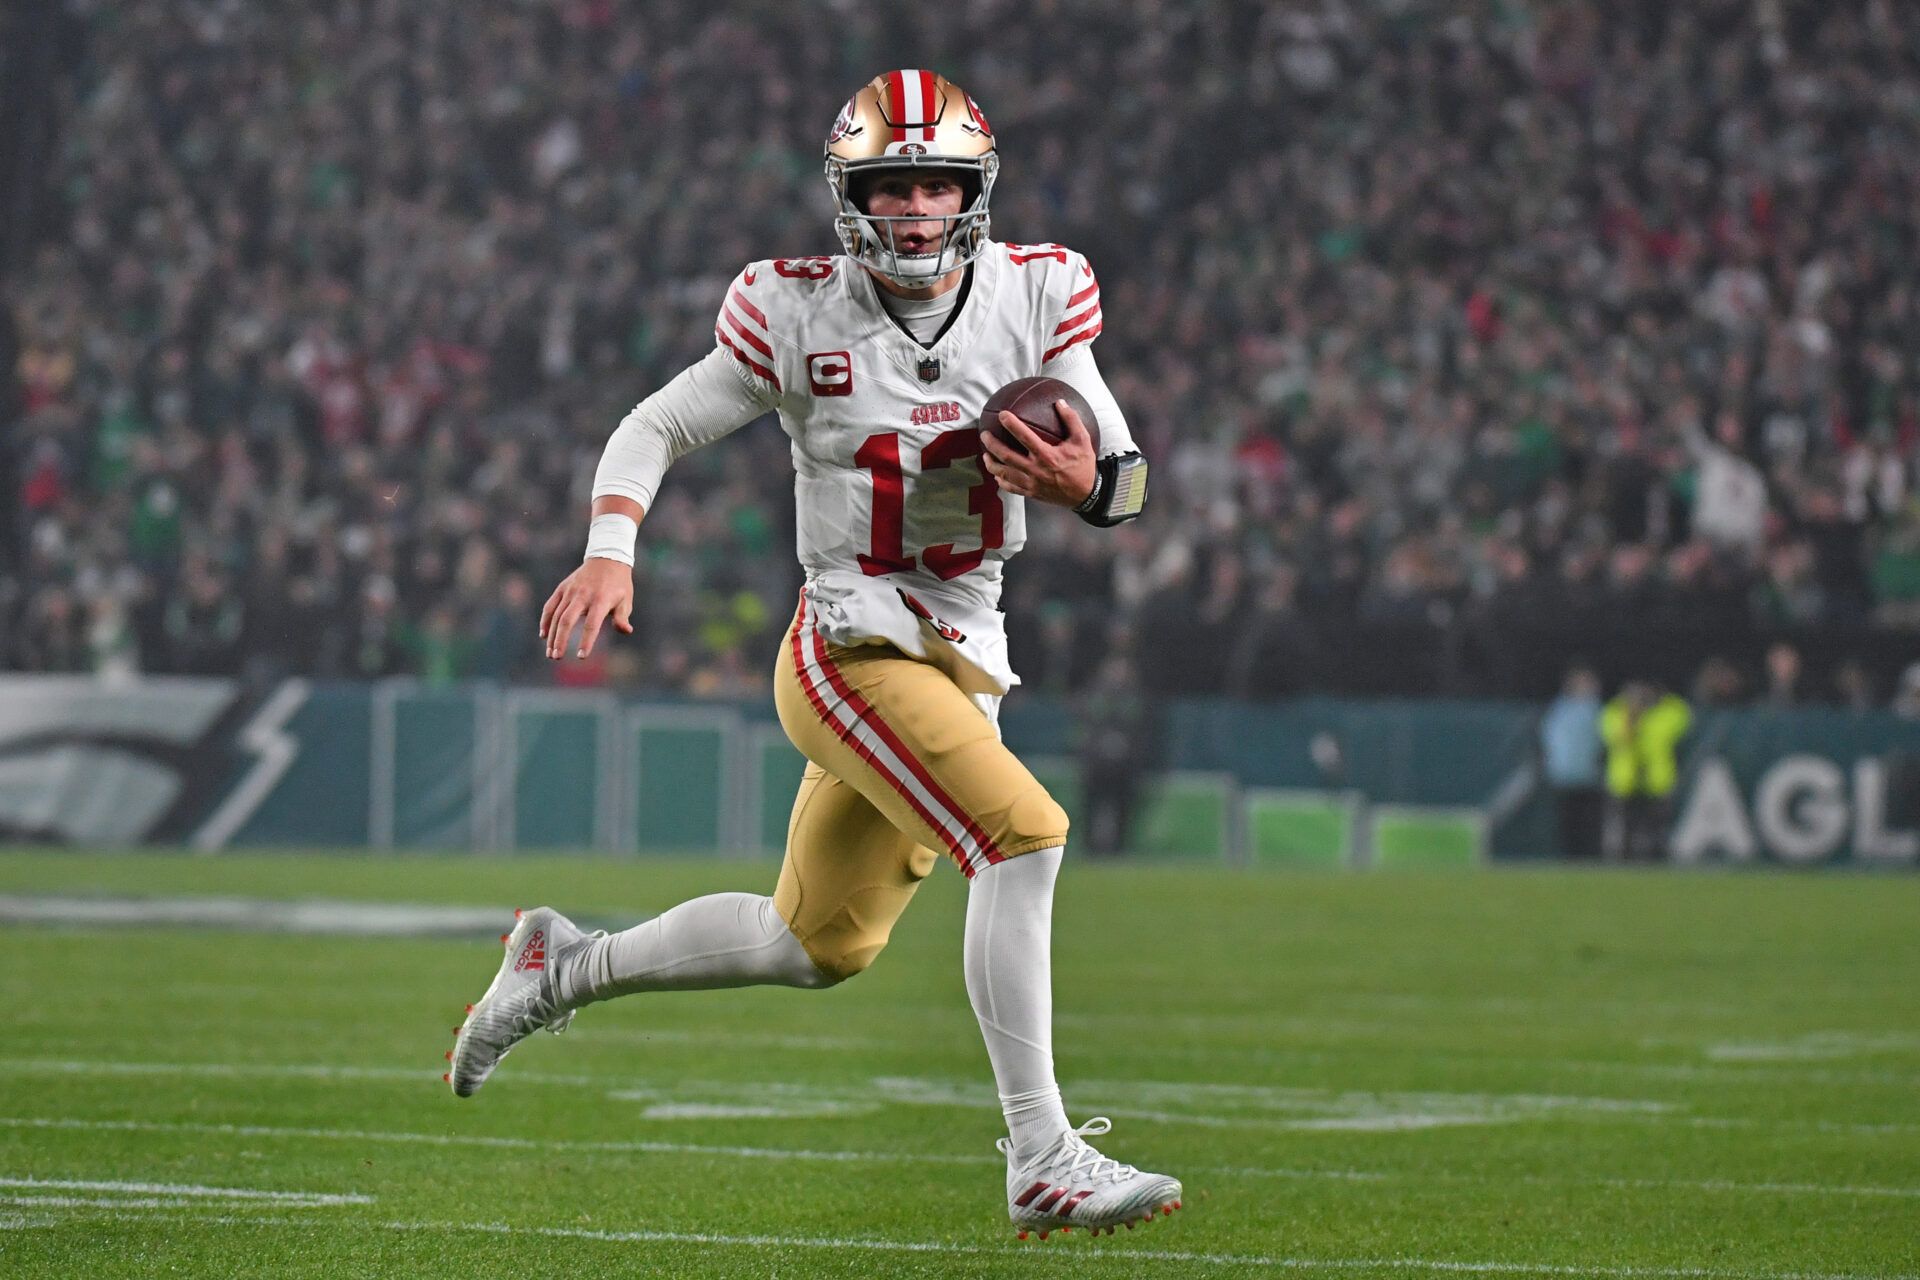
902,766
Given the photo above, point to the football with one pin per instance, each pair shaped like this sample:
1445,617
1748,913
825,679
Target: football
1031,400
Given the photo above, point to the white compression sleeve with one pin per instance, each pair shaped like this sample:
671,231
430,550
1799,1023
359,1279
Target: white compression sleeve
1077,368
721,940
707,401
1008,960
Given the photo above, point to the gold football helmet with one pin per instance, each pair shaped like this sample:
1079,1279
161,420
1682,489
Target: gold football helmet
904,120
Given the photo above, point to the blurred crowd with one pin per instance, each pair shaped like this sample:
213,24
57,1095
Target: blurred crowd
1459,314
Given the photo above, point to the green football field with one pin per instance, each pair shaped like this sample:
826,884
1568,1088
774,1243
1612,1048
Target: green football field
1503,1073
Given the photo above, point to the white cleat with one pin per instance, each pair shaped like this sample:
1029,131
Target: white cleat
521,1001
1071,1185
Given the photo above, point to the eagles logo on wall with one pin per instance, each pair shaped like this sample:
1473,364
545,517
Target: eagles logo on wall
84,761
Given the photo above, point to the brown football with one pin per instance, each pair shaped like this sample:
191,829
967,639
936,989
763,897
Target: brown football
1031,401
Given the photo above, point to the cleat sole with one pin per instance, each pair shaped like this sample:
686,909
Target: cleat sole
1164,1210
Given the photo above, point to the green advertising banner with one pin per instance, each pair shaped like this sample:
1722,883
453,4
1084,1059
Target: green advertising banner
1304,784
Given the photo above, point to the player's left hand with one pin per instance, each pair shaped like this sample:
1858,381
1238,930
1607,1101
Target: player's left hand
1061,474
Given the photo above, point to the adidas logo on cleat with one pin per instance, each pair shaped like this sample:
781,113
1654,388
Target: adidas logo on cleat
533,952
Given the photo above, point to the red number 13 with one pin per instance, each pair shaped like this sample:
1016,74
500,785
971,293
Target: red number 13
880,454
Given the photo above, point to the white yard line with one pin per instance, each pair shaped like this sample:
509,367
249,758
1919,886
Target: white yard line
1065,1253
191,1189
507,1143
107,1202
305,1070
1133,1256
188,1211
1236,1106
338,917
489,1141
1772,1188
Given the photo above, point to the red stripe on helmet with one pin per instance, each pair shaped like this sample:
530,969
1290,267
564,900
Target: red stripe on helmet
897,91
932,113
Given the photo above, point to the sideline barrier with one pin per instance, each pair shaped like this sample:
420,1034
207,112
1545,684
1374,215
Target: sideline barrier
1288,827
1314,782
1427,837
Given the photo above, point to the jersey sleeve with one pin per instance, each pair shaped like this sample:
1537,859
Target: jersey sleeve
706,402
1076,367
742,330
1072,314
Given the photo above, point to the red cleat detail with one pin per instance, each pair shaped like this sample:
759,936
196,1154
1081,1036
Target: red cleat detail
1129,1224
1176,1204
1066,1231
1166,1209
504,937
446,1077
462,1027
1043,1235
517,913
469,1008
449,1055
1023,1235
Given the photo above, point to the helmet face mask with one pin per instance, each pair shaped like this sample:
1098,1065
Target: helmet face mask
906,121
871,238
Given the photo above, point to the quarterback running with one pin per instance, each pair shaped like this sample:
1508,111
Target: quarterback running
879,362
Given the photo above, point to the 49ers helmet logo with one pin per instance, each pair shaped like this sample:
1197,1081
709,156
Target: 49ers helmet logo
843,125
977,121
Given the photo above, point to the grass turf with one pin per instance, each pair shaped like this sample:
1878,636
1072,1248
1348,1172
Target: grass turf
1522,1072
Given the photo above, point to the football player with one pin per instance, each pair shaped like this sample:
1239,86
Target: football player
878,362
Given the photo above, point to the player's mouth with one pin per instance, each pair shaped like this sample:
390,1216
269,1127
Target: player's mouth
919,243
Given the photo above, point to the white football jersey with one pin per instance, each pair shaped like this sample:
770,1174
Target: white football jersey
902,532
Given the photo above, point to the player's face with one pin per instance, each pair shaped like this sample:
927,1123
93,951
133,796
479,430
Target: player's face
911,195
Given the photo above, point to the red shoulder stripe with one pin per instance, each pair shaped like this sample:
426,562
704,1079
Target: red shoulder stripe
747,360
754,340
740,300
1074,322
1085,335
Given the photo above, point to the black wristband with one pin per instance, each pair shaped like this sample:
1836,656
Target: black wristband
1093,498
1119,491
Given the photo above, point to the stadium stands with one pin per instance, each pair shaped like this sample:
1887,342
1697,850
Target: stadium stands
1461,336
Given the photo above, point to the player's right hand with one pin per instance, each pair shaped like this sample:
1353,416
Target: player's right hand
598,589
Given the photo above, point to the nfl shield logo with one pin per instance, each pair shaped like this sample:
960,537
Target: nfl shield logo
929,370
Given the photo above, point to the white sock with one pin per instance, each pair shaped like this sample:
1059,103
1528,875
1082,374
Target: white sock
721,940
1010,981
